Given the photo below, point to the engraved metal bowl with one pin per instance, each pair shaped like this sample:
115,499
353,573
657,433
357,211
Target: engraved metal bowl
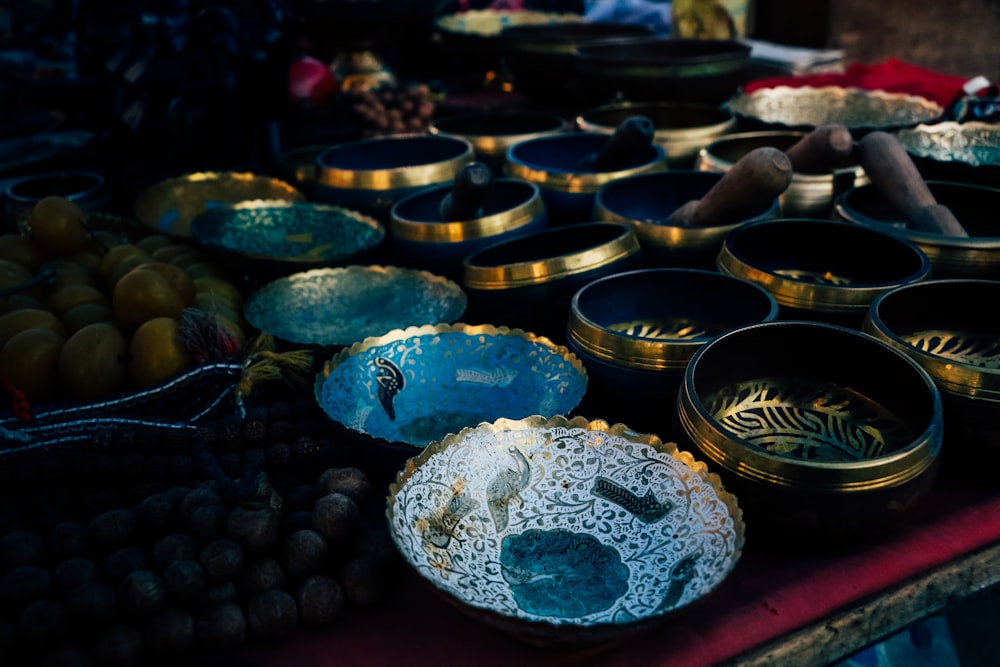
343,305
491,133
646,201
636,331
807,107
821,270
281,237
370,175
529,281
417,385
950,328
682,129
564,532
808,195
87,189
169,206
550,163
975,206
824,433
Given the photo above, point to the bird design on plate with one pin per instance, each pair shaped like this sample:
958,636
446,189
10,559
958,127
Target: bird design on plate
390,382
507,486
681,574
439,529
646,508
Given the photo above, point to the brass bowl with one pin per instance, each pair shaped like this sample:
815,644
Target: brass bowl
807,107
564,532
529,281
636,331
967,152
949,327
491,133
87,189
821,270
975,206
808,195
681,129
825,434
169,206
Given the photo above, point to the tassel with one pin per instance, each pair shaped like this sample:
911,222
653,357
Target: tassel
263,364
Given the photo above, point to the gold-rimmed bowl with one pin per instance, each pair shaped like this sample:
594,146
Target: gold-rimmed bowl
806,107
682,129
636,331
529,281
370,175
515,522
821,270
809,195
169,206
491,133
949,328
826,435
967,152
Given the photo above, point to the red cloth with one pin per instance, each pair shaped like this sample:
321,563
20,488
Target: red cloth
892,76
766,596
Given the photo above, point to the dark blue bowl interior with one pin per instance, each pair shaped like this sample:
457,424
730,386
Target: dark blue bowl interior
392,153
546,244
655,196
500,123
507,193
562,152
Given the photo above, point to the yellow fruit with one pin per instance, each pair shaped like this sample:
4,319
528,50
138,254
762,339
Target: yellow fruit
167,253
31,361
177,278
141,295
74,295
80,316
13,275
154,242
21,250
18,301
93,362
213,304
156,353
114,257
69,273
207,270
88,260
58,226
221,289
102,240
17,321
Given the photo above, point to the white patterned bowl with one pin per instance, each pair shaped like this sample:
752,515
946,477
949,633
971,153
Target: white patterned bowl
564,531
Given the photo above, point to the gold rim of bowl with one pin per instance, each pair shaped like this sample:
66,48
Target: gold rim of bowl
429,231
402,176
584,182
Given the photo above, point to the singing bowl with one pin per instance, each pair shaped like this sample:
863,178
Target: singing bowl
636,332
564,532
491,133
806,107
809,195
343,305
370,175
644,69
826,435
417,385
646,201
169,206
949,327
87,189
279,237
568,193
967,152
975,206
821,270
420,239
528,282
681,129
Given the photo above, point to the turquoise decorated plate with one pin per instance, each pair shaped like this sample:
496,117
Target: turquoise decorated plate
417,385
563,531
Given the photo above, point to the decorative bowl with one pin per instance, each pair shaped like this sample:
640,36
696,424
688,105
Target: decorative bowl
977,256
643,69
644,202
564,532
551,163
169,206
528,282
949,328
370,175
277,237
340,306
807,107
491,133
682,129
967,152
636,332
825,434
808,195
821,270
417,385
421,239
86,188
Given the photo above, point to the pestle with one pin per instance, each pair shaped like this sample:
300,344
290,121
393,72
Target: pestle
821,150
472,185
745,189
893,173
632,135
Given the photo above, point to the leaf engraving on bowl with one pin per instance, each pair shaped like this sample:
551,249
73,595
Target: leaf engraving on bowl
809,420
667,328
646,508
975,349
498,377
817,277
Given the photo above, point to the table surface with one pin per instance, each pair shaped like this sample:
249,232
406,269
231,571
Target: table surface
775,608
